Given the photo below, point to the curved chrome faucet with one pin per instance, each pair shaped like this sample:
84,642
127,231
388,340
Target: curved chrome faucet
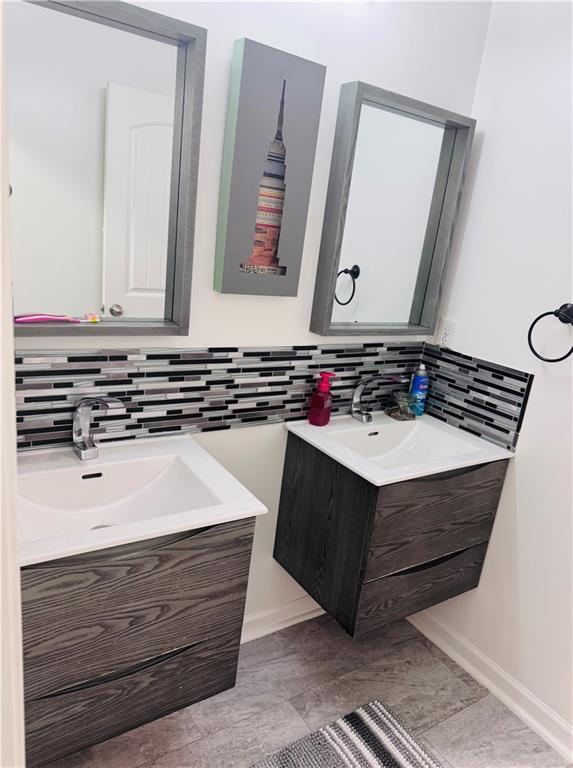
356,410
84,445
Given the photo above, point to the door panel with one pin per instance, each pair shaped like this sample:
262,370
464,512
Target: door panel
138,151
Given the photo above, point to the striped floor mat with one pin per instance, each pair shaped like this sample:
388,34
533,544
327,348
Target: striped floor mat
370,737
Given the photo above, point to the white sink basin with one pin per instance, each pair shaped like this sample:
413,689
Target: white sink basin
134,491
387,451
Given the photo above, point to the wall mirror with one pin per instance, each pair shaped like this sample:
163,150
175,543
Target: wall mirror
395,179
104,123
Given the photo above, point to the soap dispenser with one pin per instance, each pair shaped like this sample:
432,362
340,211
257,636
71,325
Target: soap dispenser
419,390
321,401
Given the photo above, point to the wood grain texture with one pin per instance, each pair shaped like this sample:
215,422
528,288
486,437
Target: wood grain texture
434,215
59,725
105,327
420,520
183,200
449,182
337,535
97,615
322,529
402,594
456,175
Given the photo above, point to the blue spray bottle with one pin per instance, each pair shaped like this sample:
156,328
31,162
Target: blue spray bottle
419,390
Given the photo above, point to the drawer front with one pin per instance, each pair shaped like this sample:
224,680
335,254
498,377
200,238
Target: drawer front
63,723
423,519
92,615
403,594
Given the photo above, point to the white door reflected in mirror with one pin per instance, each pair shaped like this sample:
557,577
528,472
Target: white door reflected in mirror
138,147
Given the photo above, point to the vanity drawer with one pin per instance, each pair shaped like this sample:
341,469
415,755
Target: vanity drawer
65,722
414,589
91,615
419,520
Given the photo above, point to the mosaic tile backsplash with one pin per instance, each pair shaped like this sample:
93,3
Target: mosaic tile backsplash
484,398
192,390
195,390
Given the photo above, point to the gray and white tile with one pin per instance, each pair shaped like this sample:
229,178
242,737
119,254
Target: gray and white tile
375,645
487,735
275,668
412,679
308,675
136,748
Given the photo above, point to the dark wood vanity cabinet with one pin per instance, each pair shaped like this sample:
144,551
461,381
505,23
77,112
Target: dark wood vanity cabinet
119,637
370,555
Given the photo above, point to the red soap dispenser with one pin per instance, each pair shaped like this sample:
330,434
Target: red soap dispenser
321,401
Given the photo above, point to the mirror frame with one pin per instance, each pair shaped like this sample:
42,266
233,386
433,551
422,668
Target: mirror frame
190,42
452,164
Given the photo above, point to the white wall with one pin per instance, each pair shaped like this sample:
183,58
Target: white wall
513,262
57,78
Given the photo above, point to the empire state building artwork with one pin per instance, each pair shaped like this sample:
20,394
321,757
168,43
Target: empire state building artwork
274,104
264,254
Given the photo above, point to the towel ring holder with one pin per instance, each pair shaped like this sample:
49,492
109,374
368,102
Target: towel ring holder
564,313
354,273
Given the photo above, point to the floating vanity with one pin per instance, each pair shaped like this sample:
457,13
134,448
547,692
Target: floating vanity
134,577
378,521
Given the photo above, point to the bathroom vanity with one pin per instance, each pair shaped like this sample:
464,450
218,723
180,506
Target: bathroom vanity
134,577
378,521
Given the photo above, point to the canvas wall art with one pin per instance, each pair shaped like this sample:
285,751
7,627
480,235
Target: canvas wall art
268,159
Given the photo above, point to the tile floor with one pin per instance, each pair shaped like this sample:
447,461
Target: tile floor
296,680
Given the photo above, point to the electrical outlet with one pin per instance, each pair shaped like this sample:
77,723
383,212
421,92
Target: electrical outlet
447,332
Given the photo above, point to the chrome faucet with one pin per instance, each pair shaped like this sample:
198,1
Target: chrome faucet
84,444
356,410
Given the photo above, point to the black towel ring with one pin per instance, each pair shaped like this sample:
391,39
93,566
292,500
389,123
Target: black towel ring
354,272
563,313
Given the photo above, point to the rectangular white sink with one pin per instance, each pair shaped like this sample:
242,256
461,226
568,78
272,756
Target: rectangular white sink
133,491
387,451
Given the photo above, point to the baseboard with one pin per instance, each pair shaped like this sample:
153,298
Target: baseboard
279,617
538,716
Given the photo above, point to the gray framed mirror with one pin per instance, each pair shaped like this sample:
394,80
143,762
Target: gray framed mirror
396,176
105,104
